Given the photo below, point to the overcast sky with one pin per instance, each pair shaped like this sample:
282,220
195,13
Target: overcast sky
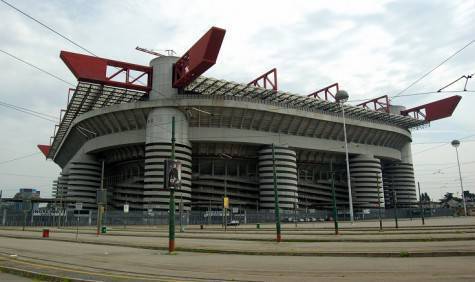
371,48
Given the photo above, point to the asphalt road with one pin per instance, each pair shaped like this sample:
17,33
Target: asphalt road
110,263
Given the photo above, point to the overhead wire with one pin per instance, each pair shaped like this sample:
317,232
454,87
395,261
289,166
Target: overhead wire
19,158
433,69
36,67
27,111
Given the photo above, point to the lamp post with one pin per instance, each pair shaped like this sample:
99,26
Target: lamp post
456,144
341,97
225,208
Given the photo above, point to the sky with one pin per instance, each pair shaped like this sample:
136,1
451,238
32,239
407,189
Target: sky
371,48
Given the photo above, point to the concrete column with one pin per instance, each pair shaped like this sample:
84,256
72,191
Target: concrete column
365,171
162,77
157,149
286,170
158,140
406,153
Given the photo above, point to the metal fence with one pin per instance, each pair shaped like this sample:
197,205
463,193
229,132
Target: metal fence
119,218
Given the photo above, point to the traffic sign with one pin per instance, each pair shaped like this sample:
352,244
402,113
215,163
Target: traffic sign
126,208
78,206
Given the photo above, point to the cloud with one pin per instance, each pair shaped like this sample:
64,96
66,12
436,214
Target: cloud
371,48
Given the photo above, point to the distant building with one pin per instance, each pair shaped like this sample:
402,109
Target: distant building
26,194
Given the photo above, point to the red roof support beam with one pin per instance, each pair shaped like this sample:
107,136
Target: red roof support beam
94,69
328,92
268,78
435,110
377,104
201,56
44,149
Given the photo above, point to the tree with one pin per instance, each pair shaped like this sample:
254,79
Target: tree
425,198
469,197
447,197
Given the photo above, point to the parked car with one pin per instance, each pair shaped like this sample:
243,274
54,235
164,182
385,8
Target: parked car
233,223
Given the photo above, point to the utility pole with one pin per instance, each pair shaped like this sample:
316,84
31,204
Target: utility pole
276,198
171,217
379,203
181,213
225,209
335,214
420,204
395,207
100,207
295,210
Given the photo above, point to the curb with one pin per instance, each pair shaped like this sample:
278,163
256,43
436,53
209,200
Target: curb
40,276
402,253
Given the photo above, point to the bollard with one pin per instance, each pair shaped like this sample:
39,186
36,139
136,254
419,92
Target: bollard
201,226
45,233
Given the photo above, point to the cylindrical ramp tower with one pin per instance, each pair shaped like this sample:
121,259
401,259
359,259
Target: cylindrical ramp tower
83,181
366,182
157,149
286,171
158,141
399,178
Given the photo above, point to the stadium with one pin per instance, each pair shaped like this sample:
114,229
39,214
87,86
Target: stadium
116,132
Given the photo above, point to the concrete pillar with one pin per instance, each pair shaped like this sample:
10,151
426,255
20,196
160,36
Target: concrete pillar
406,153
158,141
286,170
157,149
162,77
365,173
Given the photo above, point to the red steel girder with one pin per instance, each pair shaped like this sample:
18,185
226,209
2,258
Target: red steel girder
94,69
434,110
326,91
199,58
44,149
266,79
377,104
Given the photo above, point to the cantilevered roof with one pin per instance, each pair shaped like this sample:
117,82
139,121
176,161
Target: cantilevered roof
91,96
215,87
88,97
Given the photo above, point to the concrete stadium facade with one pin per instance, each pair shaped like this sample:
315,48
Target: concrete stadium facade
224,133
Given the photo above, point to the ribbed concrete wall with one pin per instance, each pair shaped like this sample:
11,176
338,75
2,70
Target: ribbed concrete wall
157,149
209,189
84,180
154,196
286,170
366,182
399,177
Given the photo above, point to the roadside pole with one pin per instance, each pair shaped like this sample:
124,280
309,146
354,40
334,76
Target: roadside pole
171,217
379,203
395,208
420,204
100,203
182,229
276,198
335,214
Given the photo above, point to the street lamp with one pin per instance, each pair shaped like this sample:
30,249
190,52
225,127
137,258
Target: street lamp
341,97
225,209
456,144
